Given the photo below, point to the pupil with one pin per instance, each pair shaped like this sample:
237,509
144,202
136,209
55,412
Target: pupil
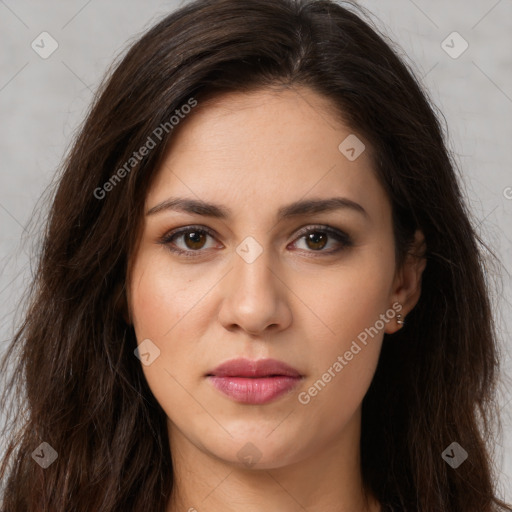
194,238
314,237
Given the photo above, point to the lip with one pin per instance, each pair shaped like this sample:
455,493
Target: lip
254,381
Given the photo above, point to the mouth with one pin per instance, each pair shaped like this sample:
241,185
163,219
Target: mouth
254,382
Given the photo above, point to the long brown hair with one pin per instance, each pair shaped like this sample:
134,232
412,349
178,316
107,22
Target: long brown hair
76,383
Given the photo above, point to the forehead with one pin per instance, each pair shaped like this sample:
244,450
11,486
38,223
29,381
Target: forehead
262,149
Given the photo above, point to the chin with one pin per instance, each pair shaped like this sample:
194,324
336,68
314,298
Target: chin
256,452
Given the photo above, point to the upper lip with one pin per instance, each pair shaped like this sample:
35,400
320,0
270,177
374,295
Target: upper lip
254,368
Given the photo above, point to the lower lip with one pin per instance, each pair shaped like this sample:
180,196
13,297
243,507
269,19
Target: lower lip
251,390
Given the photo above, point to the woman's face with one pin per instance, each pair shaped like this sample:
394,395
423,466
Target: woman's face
255,285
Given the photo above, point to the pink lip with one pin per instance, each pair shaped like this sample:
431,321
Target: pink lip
254,382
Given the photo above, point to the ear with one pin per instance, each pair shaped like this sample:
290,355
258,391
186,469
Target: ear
407,282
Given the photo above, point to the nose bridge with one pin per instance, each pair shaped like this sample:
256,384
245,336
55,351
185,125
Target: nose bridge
255,296
253,273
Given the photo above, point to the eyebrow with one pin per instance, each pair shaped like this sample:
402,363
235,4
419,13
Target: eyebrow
296,209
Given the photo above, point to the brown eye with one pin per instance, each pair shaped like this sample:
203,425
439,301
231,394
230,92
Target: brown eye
188,241
194,239
316,240
191,241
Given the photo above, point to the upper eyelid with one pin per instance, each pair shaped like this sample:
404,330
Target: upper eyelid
299,232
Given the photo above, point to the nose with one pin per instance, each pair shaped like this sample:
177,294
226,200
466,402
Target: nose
255,295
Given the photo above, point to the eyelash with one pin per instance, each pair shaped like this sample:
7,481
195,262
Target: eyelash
340,236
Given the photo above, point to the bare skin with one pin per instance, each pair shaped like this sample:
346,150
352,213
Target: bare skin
298,301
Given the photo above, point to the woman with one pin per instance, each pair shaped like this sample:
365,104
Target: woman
259,288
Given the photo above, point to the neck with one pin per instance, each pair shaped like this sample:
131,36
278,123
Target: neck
327,479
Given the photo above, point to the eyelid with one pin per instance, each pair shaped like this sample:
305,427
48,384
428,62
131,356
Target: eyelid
338,234
166,239
341,236
320,227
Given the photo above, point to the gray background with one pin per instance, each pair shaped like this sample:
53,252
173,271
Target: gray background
42,102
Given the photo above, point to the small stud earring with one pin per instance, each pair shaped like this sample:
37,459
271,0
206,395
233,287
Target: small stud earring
399,320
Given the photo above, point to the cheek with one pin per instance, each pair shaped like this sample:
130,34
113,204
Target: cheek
349,298
349,302
162,295
168,307
160,302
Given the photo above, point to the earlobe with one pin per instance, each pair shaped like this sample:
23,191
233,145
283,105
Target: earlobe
399,319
